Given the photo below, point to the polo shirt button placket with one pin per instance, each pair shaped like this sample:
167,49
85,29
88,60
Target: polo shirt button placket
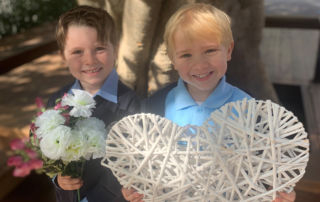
200,109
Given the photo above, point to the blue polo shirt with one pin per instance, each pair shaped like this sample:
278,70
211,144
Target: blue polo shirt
109,89
182,109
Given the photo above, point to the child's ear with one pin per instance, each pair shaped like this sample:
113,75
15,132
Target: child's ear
230,49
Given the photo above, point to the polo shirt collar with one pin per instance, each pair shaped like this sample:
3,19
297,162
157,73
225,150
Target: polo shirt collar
109,89
215,100
219,96
182,99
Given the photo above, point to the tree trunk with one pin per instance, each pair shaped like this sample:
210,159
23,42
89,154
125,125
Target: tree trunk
246,69
140,19
94,3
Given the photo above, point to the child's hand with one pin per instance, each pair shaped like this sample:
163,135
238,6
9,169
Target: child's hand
285,197
68,183
131,195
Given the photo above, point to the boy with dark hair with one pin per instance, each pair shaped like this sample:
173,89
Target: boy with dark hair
88,43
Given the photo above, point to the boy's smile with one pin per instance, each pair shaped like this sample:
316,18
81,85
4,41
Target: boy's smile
202,77
89,60
200,63
95,70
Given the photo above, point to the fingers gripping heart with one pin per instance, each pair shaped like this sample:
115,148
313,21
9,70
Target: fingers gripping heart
246,150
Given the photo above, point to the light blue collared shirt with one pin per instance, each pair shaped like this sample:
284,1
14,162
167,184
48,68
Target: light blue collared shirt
109,89
182,109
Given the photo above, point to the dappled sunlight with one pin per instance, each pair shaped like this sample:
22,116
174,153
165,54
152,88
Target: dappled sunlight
48,65
22,80
29,108
52,90
32,41
6,135
20,87
6,116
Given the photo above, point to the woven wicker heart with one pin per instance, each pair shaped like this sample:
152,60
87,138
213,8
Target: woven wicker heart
245,151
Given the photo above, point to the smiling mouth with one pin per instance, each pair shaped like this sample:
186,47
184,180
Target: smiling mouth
92,70
201,76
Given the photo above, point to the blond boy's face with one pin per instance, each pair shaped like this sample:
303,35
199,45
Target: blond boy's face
200,63
88,60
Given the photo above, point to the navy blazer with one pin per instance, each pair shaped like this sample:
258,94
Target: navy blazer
99,183
155,104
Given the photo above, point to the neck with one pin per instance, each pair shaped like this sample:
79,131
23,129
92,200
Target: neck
199,95
90,89
92,92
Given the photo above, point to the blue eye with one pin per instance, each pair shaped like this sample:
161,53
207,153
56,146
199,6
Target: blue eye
210,51
187,55
100,48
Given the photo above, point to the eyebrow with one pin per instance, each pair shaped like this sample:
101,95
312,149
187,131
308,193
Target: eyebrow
74,48
182,51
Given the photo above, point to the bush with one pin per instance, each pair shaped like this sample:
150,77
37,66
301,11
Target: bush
17,15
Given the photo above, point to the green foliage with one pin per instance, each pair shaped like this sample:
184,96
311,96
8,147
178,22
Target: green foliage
18,15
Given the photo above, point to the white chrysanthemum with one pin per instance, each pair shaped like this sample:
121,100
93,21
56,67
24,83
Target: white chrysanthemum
75,148
48,121
94,132
81,101
53,145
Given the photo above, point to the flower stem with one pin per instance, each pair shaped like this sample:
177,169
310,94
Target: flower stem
78,192
82,166
81,172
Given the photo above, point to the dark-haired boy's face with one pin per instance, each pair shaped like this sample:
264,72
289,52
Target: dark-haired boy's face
200,63
88,60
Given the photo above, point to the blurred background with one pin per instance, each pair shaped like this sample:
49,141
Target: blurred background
276,57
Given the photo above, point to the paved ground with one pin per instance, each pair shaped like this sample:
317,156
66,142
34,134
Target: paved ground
21,86
18,89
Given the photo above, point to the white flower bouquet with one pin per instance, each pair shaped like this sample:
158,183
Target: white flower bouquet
65,136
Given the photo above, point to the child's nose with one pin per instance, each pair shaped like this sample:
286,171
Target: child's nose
89,58
199,62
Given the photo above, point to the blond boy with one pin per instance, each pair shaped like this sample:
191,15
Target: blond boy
199,43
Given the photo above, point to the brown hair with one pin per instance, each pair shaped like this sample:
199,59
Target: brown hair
87,16
198,21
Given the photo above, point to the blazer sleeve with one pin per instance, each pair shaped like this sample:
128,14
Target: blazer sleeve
156,103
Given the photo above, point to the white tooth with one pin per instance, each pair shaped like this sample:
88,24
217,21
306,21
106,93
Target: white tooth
92,71
202,75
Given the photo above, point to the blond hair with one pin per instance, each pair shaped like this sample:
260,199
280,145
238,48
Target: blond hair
96,18
198,21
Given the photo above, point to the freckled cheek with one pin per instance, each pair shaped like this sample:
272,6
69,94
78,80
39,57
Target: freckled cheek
219,63
105,59
74,65
72,59
182,65
181,69
183,72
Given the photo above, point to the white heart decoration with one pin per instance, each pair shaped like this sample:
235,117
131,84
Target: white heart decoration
246,151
